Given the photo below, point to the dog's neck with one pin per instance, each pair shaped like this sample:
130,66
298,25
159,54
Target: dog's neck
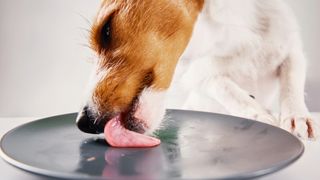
231,12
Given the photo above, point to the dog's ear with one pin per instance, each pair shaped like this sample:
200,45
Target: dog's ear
200,4
195,5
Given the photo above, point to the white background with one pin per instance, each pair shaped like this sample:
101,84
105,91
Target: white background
45,64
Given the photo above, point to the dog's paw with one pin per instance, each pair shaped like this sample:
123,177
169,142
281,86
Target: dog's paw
302,127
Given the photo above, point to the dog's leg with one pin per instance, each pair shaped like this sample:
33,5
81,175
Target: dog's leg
295,116
236,100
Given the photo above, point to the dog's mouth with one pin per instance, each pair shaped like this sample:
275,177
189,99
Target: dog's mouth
124,129
127,129
118,135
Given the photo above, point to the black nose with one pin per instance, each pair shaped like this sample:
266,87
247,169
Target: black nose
88,123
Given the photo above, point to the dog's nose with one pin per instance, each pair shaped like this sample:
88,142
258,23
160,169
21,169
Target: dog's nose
87,123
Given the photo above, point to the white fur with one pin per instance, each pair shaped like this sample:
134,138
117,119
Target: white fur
151,108
242,48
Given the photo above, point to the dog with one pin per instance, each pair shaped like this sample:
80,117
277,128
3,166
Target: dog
223,56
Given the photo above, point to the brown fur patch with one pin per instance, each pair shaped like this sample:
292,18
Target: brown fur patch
146,40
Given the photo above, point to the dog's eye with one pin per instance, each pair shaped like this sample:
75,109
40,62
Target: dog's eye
106,33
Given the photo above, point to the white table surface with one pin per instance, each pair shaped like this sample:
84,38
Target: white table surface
307,167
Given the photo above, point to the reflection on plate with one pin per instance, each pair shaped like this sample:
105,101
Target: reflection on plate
194,145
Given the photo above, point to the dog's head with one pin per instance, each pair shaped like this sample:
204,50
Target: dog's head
138,44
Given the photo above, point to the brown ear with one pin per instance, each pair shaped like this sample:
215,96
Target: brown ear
194,6
200,4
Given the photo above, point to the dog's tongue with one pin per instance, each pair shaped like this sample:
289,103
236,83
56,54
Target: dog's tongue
118,136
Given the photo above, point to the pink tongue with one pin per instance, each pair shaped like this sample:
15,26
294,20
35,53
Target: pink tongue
117,136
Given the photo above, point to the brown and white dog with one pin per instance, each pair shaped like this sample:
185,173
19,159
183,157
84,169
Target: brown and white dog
238,54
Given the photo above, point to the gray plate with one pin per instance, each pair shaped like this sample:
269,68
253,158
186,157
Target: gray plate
194,145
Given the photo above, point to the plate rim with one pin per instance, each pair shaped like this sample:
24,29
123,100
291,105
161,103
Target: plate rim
56,174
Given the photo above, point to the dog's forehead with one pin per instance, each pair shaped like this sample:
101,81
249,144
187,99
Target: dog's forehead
141,7
150,7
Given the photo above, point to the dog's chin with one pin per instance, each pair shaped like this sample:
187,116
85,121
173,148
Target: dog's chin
150,110
146,114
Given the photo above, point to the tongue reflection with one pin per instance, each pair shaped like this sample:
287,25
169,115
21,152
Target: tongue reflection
117,136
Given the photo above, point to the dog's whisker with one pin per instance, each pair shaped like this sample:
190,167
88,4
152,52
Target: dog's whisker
88,21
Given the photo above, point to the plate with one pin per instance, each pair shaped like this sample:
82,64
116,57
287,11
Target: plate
194,145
